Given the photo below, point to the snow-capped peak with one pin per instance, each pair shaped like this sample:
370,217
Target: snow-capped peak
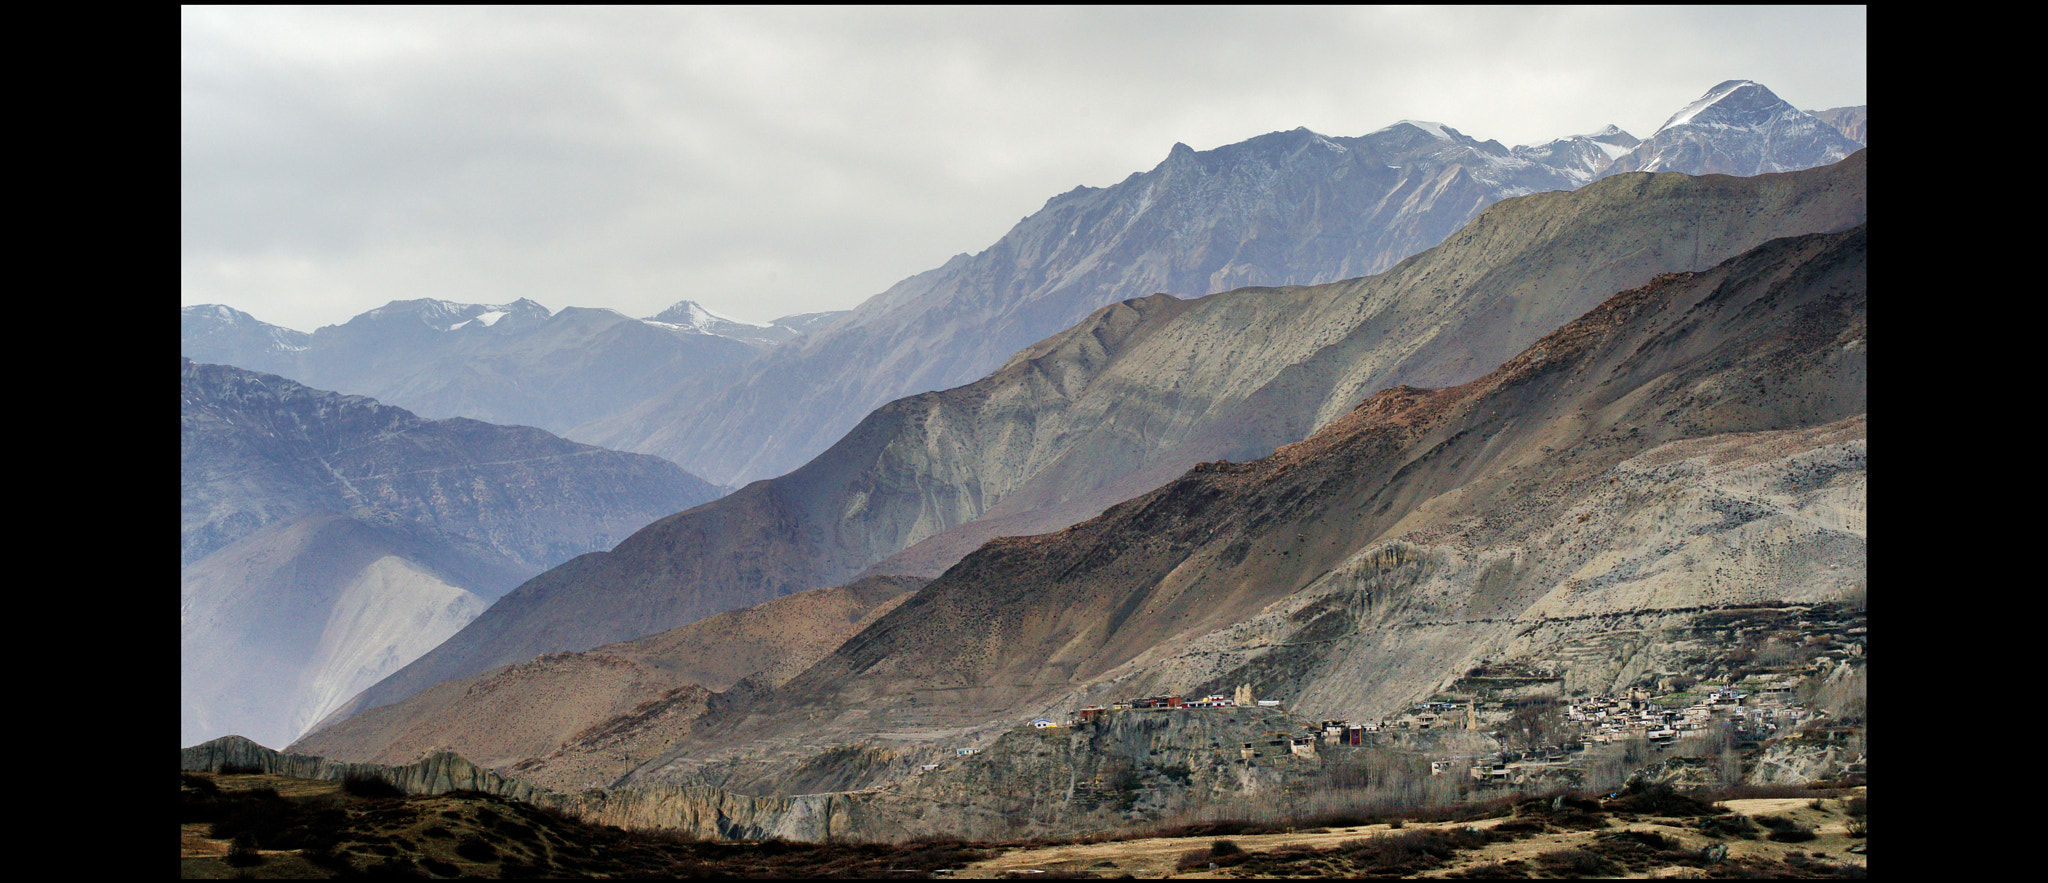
692,315
1713,97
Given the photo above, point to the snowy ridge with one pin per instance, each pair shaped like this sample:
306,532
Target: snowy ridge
446,315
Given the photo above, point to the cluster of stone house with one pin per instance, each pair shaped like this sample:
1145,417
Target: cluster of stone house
1755,713
1242,699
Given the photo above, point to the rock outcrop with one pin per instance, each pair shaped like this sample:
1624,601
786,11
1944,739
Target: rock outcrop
436,773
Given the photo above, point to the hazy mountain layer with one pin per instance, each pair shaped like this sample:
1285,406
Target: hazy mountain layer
212,334
328,540
1852,122
1694,444
1132,397
257,448
515,364
281,627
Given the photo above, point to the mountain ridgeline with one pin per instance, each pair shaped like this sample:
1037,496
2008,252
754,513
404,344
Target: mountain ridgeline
516,363
1287,208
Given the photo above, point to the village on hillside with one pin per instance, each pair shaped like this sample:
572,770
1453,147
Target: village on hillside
1751,684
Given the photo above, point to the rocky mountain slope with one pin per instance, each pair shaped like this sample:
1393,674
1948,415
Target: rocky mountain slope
1692,449
568,720
1695,444
327,540
1285,208
1133,397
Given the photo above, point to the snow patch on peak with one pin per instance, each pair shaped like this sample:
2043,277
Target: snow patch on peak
1438,131
484,319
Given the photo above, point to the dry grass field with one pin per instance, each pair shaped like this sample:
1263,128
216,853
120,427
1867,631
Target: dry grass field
275,827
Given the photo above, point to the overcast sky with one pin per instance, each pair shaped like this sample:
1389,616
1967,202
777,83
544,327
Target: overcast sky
769,161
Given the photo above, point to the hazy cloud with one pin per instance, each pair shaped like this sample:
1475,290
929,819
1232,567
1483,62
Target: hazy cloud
766,161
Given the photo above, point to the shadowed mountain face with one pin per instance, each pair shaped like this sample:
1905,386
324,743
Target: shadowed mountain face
1134,396
329,539
1695,443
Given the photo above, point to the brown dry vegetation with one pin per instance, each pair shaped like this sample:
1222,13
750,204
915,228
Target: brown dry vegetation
1648,834
278,827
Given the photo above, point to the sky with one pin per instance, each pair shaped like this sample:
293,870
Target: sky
768,161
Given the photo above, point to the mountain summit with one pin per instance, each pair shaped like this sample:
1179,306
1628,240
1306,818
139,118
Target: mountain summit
1737,128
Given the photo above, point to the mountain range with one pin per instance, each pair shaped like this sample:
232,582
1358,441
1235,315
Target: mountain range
1280,209
1184,382
1168,493
1287,208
